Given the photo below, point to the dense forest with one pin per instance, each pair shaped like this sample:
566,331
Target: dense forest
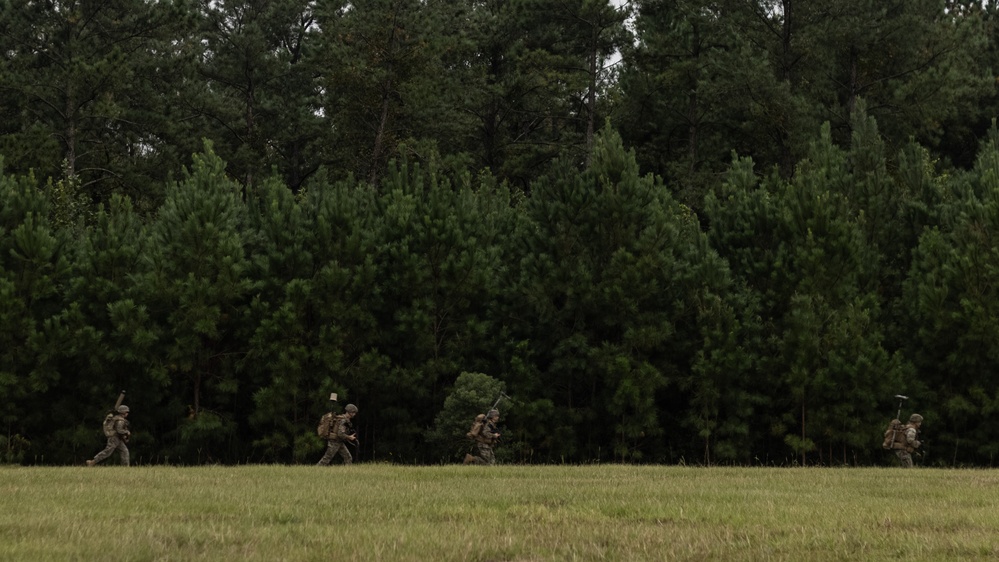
718,232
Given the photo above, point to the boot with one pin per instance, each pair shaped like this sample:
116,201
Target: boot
469,459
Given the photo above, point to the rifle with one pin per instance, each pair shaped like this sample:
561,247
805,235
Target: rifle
355,441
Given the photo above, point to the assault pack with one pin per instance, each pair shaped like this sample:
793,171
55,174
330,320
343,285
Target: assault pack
894,435
476,430
108,426
327,424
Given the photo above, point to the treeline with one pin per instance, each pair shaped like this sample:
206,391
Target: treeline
233,208
120,93
623,328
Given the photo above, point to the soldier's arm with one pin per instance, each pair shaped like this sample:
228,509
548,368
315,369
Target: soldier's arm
489,431
341,431
121,427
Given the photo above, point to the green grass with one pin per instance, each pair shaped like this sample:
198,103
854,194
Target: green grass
605,512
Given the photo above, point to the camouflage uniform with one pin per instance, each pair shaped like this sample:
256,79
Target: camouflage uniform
910,441
116,442
485,441
342,432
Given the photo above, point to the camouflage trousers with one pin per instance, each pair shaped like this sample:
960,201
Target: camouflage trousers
114,444
486,455
905,457
332,449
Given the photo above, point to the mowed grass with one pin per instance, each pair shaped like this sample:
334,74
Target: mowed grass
398,513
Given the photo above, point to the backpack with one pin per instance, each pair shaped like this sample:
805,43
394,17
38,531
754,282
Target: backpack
108,426
894,434
327,424
476,430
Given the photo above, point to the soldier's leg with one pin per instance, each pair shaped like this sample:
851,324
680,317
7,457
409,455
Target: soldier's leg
331,450
345,454
485,454
110,448
123,453
905,458
477,459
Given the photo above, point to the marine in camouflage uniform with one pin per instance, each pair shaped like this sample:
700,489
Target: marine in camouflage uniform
338,438
488,436
909,440
117,440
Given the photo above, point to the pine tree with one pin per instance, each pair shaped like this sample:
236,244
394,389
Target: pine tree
196,287
800,250
80,83
379,59
438,260
34,267
258,99
950,295
610,269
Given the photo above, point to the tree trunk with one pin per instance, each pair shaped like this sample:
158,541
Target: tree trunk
802,431
692,104
786,158
854,87
197,393
251,126
70,132
376,151
591,96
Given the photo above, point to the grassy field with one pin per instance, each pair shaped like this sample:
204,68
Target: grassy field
605,512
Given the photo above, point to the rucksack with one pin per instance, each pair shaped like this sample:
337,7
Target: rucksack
894,434
327,424
108,426
476,430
